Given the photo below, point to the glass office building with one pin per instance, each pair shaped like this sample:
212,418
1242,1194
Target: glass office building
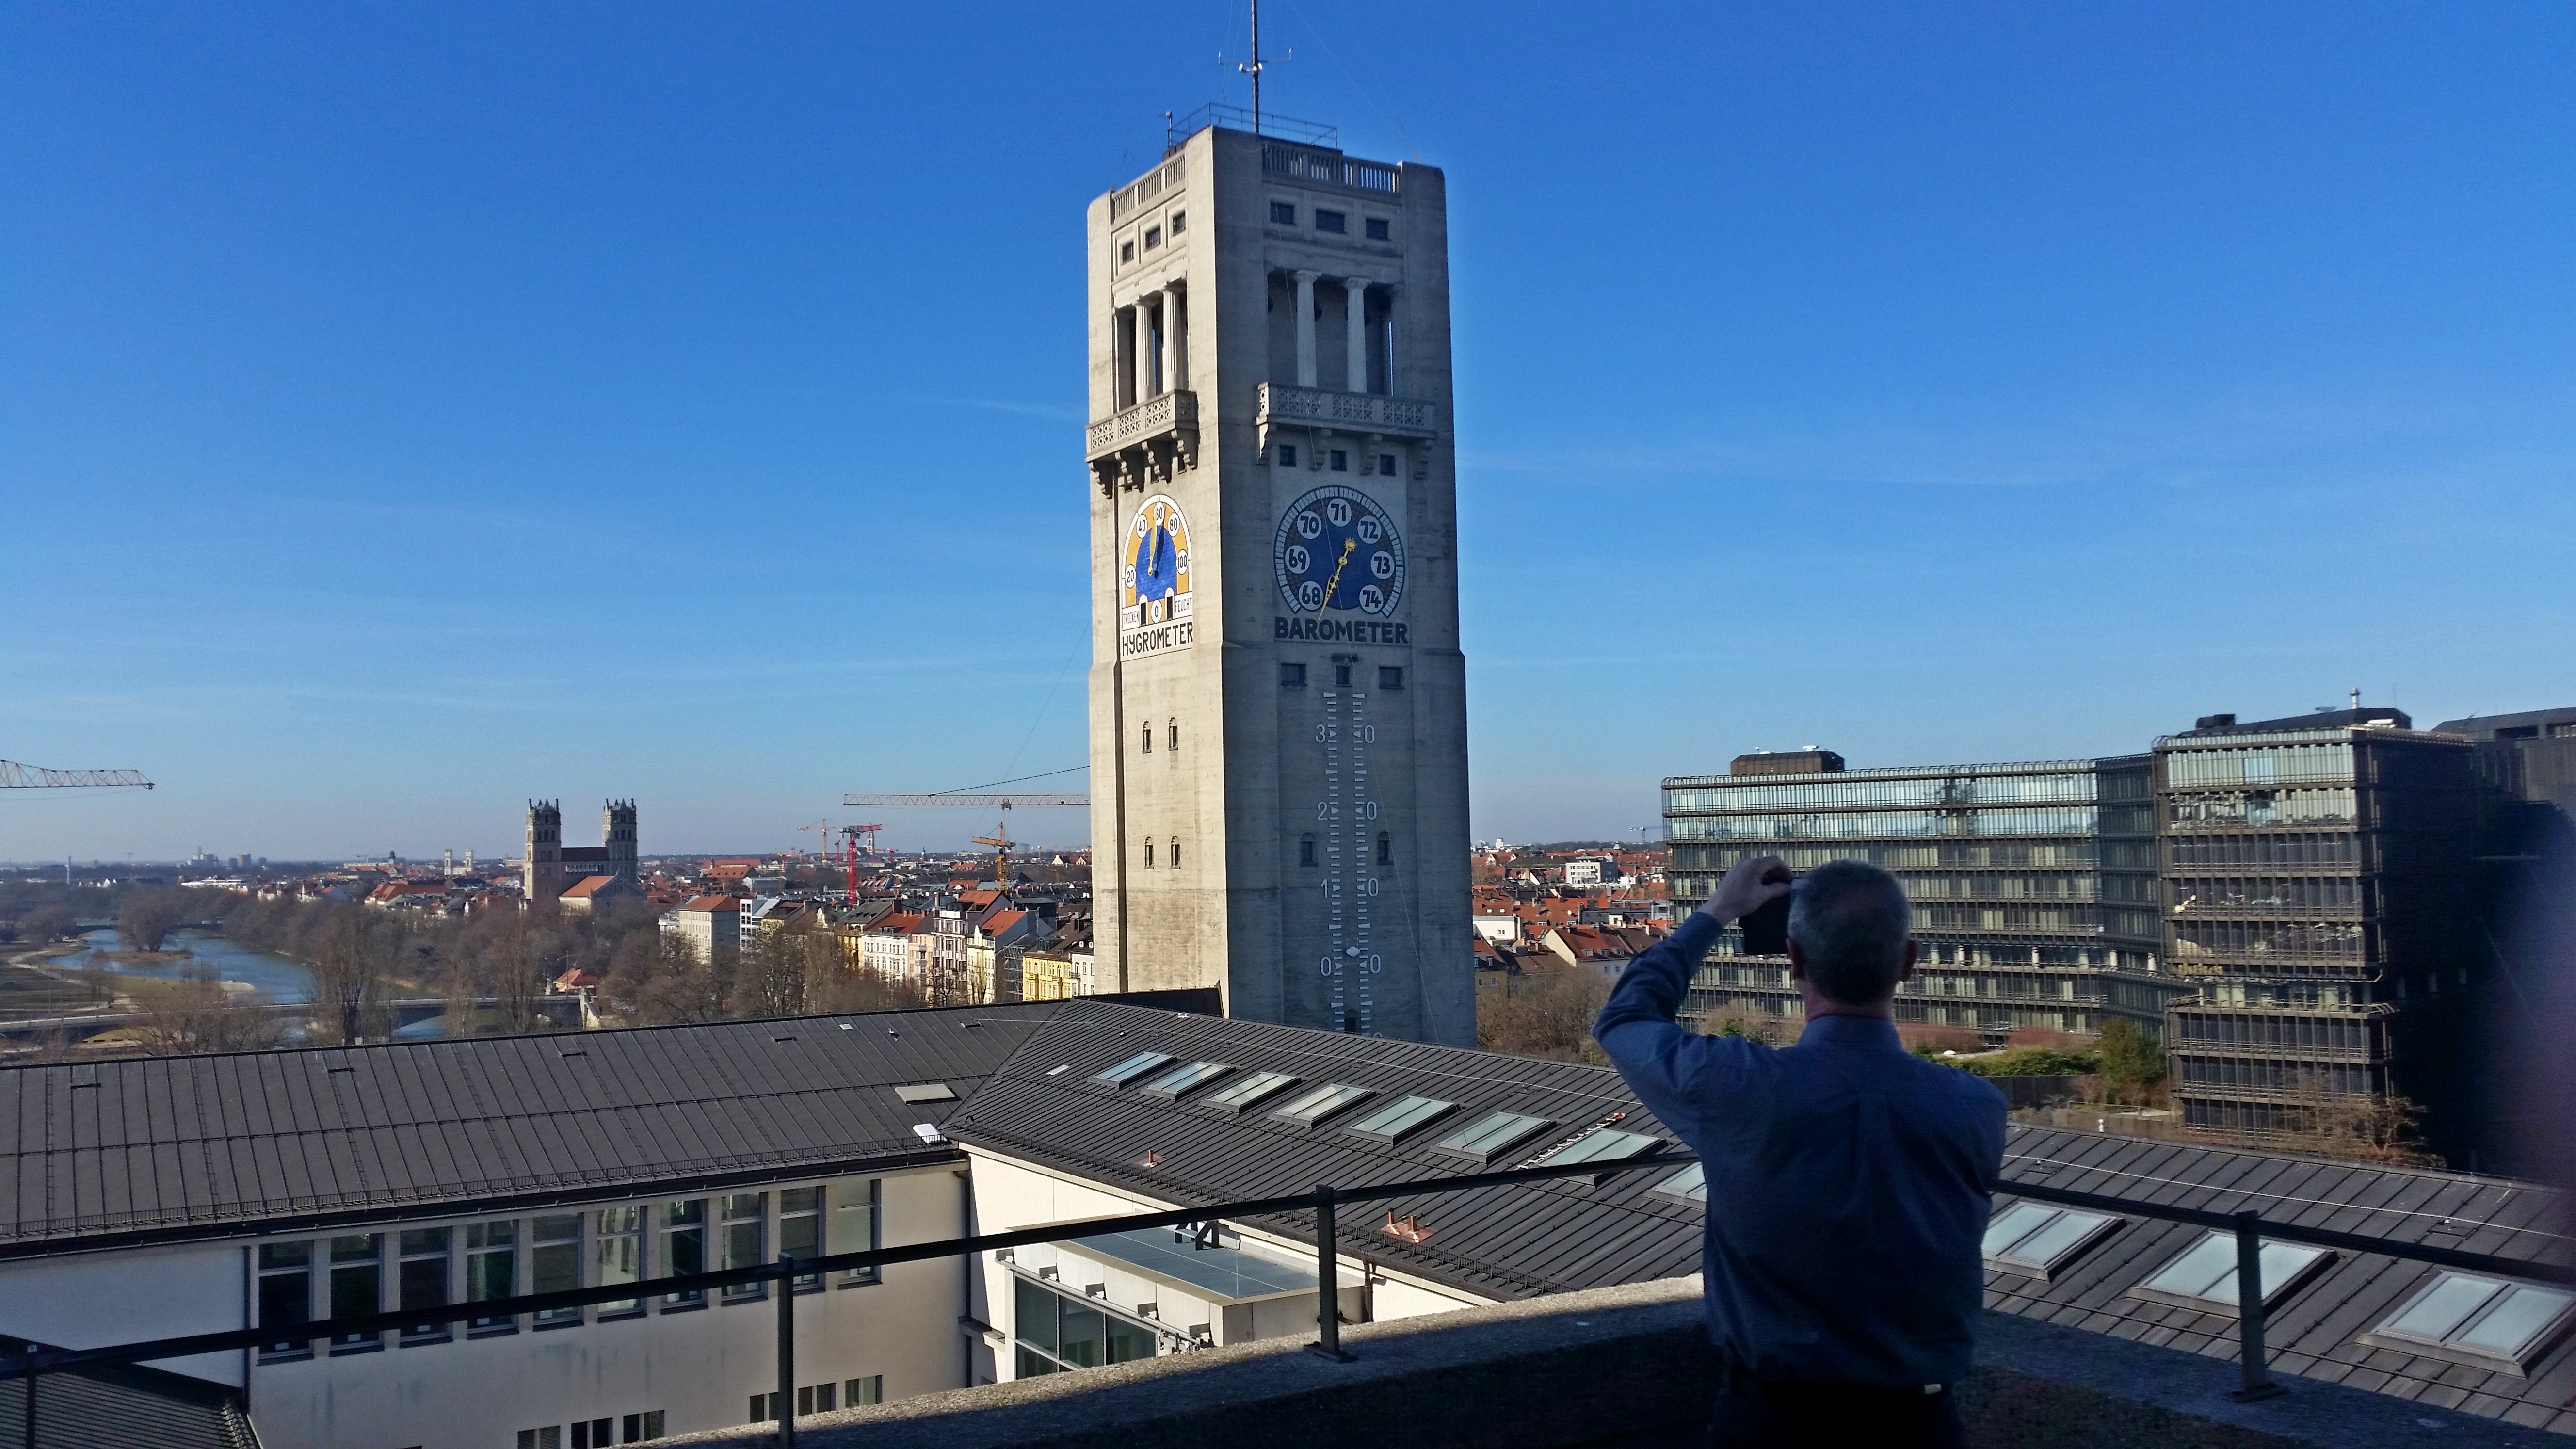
2316,885
2033,884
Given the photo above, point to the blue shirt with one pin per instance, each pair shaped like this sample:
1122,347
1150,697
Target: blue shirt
1848,1181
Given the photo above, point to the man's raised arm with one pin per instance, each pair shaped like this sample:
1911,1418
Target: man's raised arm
1636,1026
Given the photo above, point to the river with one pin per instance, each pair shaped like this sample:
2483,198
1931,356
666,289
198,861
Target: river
282,981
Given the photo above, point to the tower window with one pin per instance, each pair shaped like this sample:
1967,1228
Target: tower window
1341,461
1284,213
1149,852
1174,740
1287,455
1176,852
1385,849
1293,675
1386,464
1390,676
1378,229
1341,676
1305,850
1153,237
1332,221
1149,740
1126,251
1180,222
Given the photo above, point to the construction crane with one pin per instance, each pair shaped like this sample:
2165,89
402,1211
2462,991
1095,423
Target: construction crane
1000,838
856,833
36,777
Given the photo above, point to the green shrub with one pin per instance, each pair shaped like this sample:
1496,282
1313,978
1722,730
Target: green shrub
2030,1062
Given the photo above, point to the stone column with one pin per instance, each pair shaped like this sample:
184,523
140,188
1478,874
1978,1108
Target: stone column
1144,346
1176,345
1306,328
1355,332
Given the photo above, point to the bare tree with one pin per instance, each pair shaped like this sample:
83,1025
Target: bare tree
197,1015
351,954
1543,1012
149,916
773,976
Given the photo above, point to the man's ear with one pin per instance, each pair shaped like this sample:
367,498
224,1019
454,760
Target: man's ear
1797,961
1906,971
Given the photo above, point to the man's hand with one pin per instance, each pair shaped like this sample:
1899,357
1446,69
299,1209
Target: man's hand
1753,883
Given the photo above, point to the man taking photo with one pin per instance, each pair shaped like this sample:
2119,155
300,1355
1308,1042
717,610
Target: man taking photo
1848,1180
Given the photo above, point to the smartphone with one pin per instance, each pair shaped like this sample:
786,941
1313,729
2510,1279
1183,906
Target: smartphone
1766,930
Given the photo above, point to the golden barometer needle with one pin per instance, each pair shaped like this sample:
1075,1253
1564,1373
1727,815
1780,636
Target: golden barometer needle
1338,565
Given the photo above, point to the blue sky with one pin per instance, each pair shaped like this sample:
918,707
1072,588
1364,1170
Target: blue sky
409,409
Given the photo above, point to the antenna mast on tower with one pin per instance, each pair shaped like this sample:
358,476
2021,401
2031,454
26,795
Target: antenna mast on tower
1252,67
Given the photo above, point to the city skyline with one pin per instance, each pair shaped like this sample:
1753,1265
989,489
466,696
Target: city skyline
424,413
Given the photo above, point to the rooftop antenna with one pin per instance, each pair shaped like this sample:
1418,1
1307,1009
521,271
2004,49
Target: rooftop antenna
1253,67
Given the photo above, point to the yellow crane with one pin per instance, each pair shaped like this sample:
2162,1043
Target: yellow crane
1000,839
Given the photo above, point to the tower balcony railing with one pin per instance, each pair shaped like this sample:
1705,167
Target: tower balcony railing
1140,444
1281,405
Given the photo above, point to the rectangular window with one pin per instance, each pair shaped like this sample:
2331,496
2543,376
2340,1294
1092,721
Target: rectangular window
745,1227
491,1268
1389,1122
800,1230
617,1255
1134,1067
1287,455
816,1399
856,1217
1180,222
1172,1086
594,1433
357,1286
1244,1092
1688,1186
1293,675
1341,461
1378,230
549,1437
285,1295
1491,1135
640,1427
421,1280
2484,1322
1332,221
684,1248
554,1263
1386,464
1283,213
1127,251
2204,1277
869,1390
2041,1241
1319,1103
1341,676
1153,237
1390,676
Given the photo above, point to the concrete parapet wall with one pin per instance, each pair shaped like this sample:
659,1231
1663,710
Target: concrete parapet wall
1618,1368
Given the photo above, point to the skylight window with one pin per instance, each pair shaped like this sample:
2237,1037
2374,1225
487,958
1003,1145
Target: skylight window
1246,1092
1134,1067
1172,1086
1390,1122
2204,1277
1690,1185
2038,1240
1602,1146
1314,1106
2484,1322
1491,1135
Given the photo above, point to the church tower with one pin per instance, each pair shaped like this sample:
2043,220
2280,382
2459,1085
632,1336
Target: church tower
617,834
1278,701
541,868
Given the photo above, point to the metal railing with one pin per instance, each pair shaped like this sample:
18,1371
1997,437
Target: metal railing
2249,1227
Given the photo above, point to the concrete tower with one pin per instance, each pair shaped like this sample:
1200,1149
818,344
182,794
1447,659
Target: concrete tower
1278,704
617,834
541,868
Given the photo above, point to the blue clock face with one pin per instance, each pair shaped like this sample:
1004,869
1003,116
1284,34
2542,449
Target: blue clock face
1337,549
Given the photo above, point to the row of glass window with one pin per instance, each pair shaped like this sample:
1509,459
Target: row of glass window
2300,849
1332,222
2084,854
2198,768
2324,893
353,1274
1950,790
2266,1074
2260,808
2311,1033
2278,993
2476,1319
1052,1333
1884,826
2328,940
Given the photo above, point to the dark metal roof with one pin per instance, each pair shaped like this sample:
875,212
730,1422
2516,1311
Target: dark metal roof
130,1405
1498,1242
2312,1331
96,1153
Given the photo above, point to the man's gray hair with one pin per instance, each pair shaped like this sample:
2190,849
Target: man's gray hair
1851,920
